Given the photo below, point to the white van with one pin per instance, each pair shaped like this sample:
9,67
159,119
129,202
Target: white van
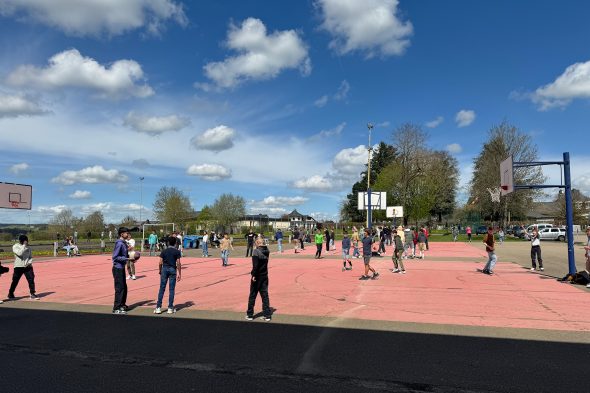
539,227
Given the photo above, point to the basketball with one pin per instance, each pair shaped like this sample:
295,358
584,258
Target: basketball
134,255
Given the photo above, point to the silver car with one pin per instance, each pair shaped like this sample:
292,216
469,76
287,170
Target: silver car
552,234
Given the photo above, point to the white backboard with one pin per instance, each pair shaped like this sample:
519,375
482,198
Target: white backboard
378,200
15,196
394,211
506,176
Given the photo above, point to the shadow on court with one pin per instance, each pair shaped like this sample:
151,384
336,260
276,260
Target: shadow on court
71,351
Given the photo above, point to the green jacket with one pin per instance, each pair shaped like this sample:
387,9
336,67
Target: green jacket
319,238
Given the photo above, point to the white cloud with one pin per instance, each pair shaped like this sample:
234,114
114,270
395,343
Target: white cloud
582,183
210,172
19,105
573,83
328,133
153,125
342,91
351,161
454,148
321,102
81,18
435,123
215,139
91,175
278,201
260,55
370,26
464,117
69,69
271,211
383,124
79,194
314,183
16,169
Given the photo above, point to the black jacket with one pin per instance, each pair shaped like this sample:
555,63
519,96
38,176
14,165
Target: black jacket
260,261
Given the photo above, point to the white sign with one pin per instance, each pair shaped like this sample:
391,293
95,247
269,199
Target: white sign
15,196
378,200
506,176
394,211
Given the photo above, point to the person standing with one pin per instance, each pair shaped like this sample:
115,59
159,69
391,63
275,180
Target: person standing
490,243
170,271
153,242
131,261
327,238
355,242
296,235
120,258
455,232
397,254
422,238
23,265
88,236
382,240
536,251
179,245
259,282
409,250
346,251
302,236
367,252
225,246
501,235
205,244
427,234
332,240
468,232
250,237
110,236
75,237
279,239
319,242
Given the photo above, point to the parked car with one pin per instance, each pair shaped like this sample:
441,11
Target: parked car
481,230
539,227
552,234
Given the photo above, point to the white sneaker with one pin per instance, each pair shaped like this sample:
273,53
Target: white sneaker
587,285
542,269
1,301
403,272
171,311
129,277
133,277
158,310
395,270
532,269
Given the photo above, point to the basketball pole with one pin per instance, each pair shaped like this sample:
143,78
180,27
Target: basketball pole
569,214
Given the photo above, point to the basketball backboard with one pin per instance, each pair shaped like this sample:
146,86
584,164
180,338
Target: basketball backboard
394,211
506,176
15,196
378,200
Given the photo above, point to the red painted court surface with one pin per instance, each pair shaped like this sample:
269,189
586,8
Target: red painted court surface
438,292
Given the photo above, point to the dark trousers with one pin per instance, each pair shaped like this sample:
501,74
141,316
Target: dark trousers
382,246
249,249
327,244
120,288
301,243
536,255
17,273
318,253
260,286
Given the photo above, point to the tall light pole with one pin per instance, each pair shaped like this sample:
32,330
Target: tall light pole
369,148
141,179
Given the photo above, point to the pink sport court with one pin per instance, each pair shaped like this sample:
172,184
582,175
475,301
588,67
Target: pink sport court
450,292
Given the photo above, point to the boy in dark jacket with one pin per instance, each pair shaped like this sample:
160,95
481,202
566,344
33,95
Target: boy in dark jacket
346,252
259,281
397,254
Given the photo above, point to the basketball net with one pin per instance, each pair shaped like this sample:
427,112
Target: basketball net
495,194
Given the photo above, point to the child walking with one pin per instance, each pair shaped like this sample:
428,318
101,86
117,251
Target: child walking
319,241
346,252
225,247
398,249
421,242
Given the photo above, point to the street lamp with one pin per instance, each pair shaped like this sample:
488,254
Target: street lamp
141,179
370,149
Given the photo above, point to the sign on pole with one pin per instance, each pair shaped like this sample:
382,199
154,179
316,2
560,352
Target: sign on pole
15,196
394,211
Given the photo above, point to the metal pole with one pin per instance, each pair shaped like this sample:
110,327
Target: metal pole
140,210
569,214
369,218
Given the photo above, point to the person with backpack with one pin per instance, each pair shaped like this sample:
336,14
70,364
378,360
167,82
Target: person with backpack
398,249
409,250
346,251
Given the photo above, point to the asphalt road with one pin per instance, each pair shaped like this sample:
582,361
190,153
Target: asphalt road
55,351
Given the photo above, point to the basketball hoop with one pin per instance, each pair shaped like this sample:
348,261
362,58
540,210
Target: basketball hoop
495,194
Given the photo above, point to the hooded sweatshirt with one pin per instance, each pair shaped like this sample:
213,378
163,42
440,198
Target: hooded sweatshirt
23,256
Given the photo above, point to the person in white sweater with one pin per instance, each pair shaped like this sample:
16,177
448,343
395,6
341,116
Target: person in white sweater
23,264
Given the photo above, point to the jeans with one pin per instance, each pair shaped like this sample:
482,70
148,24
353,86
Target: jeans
356,252
205,249
492,259
224,257
168,273
120,288
256,287
152,250
536,256
17,273
280,244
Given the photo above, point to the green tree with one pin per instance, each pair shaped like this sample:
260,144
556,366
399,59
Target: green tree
503,141
227,209
94,222
63,221
172,205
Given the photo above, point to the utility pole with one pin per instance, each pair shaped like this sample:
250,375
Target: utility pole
141,179
370,148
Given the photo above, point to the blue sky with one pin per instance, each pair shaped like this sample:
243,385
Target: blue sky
270,100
